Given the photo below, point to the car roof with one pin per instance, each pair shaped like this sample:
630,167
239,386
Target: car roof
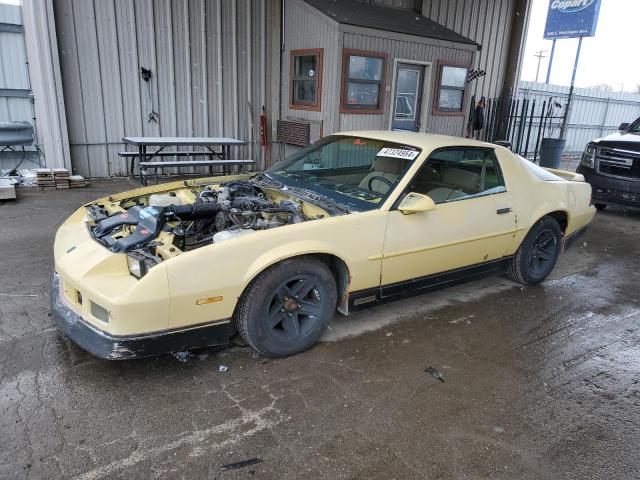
424,141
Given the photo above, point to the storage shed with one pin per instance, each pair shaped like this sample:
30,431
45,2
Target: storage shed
348,65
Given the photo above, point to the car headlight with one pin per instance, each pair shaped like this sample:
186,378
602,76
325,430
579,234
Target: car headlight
139,264
589,156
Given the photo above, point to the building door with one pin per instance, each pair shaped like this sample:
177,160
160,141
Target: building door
408,97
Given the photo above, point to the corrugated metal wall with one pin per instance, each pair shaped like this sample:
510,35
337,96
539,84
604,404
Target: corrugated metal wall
207,59
14,75
487,22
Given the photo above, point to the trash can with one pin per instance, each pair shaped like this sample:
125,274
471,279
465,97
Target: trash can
551,152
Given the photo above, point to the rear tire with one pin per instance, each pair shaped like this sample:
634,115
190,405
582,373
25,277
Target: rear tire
600,206
287,308
537,254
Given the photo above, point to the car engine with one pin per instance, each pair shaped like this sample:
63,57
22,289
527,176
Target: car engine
217,213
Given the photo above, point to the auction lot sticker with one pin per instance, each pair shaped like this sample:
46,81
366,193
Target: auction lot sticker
398,153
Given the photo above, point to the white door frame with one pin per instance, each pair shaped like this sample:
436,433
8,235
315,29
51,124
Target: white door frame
426,90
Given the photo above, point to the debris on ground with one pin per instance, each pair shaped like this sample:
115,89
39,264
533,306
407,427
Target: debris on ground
223,368
183,357
242,464
203,356
434,373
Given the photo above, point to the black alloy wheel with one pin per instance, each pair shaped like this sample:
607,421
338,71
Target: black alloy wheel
287,308
543,253
537,255
295,307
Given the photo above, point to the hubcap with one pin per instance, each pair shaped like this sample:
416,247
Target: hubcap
295,308
542,252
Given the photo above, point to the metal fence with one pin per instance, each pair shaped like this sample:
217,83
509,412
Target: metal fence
594,112
538,109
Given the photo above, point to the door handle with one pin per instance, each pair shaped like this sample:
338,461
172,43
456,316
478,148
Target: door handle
501,211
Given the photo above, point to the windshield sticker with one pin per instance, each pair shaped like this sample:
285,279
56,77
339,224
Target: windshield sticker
398,153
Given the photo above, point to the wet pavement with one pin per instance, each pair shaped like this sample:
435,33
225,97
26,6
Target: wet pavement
539,383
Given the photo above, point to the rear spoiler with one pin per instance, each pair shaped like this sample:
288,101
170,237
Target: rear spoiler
574,177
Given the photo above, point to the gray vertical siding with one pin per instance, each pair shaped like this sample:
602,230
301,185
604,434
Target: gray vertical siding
417,49
308,28
486,22
13,67
207,59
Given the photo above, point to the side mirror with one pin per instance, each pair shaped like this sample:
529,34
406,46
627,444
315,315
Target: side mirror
623,126
416,202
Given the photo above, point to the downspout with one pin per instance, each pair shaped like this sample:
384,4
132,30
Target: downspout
282,37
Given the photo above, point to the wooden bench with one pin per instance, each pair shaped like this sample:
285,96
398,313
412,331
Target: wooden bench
189,153
226,164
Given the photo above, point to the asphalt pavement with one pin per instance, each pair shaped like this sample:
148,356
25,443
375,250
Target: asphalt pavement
485,380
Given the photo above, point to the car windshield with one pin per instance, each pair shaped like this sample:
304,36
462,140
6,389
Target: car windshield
634,127
356,172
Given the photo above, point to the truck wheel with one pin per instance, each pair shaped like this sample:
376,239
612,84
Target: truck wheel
537,254
287,307
600,206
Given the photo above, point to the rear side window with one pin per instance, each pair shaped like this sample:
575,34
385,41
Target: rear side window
459,173
538,171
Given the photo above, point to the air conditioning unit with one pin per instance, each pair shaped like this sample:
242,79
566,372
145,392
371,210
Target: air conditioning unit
299,131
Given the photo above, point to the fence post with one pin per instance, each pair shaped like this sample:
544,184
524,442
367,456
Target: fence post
526,145
540,128
604,119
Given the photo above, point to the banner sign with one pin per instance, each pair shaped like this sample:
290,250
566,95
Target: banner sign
571,18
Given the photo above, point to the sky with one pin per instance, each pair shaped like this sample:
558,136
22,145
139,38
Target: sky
608,57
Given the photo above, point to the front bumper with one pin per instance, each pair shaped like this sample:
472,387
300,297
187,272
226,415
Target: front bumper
113,347
607,189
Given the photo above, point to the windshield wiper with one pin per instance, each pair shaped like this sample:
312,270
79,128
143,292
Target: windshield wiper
268,181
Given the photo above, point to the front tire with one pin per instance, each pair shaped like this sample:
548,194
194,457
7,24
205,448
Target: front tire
600,206
537,254
287,308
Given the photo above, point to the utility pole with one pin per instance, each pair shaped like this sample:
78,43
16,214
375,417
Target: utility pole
540,54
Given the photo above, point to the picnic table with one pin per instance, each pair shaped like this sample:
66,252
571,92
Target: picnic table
150,147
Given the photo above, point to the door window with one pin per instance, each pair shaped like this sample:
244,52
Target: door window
452,174
407,94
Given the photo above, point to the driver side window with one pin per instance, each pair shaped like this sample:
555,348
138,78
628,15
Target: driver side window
458,173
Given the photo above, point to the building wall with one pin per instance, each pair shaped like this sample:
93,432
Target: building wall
15,89
207,59
305,27
407,49
487,22
14,76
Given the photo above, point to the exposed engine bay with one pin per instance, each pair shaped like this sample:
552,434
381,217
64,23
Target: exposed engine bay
154,227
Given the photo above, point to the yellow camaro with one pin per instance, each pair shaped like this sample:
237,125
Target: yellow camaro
353,220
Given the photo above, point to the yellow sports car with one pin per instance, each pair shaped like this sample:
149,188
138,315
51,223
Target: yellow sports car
353,220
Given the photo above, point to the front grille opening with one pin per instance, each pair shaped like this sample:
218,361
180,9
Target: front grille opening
618,163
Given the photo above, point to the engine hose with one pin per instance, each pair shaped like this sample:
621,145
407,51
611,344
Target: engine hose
193,211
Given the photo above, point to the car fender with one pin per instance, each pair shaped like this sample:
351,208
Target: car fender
290,250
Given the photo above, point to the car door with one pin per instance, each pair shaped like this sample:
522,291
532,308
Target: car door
470,230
